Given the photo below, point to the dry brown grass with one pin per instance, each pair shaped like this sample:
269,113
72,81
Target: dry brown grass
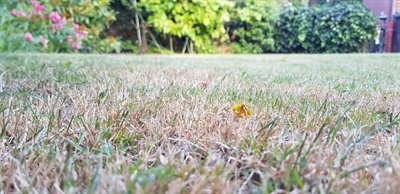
164,124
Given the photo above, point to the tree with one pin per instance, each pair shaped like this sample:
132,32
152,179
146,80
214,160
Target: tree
252,25
200,20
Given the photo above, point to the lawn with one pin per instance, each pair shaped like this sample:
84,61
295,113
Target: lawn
164,124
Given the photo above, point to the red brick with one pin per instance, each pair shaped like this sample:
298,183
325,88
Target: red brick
389,36
378,6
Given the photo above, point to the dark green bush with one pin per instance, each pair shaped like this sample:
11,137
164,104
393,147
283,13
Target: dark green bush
343,28
334,2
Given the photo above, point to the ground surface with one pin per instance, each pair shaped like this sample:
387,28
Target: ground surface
156,124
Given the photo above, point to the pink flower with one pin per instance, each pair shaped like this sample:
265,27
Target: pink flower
28,36
22,14
35,3
44,41
44,16
76,27
29,16
55,17
76,46
71,20
69,39
14,12
77,35
40,7
85,33
59,26
36,12
56,26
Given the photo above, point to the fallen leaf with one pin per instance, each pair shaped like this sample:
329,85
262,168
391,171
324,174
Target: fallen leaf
241,110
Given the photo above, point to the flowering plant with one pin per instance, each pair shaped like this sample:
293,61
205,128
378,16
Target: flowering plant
93,16
46,29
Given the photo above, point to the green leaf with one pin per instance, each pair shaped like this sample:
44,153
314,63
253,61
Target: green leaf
326,29
206,21
68,64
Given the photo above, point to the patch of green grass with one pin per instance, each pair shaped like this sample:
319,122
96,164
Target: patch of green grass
156,124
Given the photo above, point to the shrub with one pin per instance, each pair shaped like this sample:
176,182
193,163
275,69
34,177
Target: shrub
334,2
299,3
252,25
93,16
342,28
201,21
127,46
122,28
11,36
34,27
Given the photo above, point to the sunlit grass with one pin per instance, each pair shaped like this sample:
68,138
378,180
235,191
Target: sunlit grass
156,124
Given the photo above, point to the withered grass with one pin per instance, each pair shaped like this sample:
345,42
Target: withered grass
164,124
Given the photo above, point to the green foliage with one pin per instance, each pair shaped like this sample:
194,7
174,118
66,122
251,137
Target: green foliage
334,2
92,15
301,3
106,45
252,25
342,28
236,48
122,27
32,27
127,46
11,36
200,20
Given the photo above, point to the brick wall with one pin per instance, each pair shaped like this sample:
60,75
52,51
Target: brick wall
396,35
377,6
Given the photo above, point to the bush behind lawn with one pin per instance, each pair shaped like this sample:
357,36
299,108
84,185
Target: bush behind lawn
342,28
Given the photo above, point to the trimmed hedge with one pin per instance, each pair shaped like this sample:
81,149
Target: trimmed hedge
343,28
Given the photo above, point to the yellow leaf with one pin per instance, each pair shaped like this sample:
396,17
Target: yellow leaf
241,110
249,113
237,106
